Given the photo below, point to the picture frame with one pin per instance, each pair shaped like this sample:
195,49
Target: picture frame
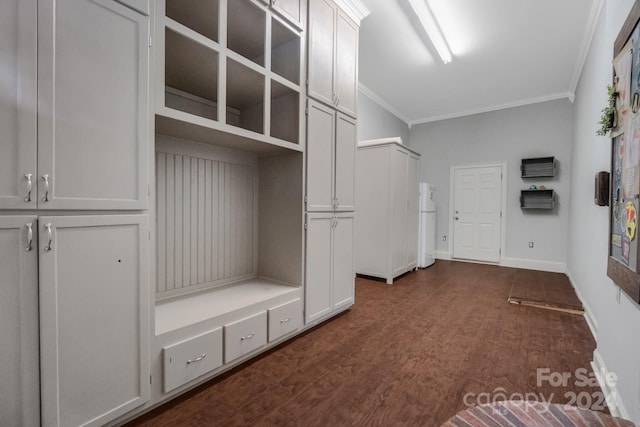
623,266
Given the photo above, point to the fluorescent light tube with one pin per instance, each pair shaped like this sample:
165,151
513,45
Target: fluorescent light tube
428,21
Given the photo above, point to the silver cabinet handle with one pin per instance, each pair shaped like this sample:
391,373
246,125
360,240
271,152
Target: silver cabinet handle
197,359
456,218
28,197
287,320
48,246
248,337
337,99
45,178
29,226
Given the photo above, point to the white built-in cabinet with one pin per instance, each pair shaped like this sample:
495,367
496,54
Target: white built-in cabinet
331,148
330,277
84,106
74,303
19,370
333,56
387,205
94,317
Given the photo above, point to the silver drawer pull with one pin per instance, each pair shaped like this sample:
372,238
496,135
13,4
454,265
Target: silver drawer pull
287,320
197,359
29,185
29,236
48,246
248,337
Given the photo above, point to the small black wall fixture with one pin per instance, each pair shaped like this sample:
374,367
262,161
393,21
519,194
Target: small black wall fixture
601,197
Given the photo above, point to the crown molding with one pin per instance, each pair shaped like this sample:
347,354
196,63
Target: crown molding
354,8
384,104
590,29
569,95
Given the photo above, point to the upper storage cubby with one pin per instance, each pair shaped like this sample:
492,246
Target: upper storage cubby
246,29
230,70
201,16
285,52
191,76
539,167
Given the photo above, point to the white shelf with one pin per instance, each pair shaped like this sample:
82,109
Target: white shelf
180,124
191,309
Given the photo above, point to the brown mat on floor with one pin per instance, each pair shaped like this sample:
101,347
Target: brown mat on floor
551,291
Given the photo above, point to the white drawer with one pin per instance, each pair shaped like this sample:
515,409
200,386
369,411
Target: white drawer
188,359
285,318
244,335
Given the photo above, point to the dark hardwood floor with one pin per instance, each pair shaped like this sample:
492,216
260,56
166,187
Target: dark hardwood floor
413,353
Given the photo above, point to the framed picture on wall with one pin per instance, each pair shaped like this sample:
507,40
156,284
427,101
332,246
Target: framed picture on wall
624,254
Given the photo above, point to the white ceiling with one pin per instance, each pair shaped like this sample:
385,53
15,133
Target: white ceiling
505,53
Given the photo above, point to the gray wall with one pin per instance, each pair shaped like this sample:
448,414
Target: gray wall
509,135
614,318
375,122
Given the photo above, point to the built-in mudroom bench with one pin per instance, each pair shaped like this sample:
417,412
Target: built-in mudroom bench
176,194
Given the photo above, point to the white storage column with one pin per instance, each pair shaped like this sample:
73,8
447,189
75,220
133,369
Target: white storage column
387,206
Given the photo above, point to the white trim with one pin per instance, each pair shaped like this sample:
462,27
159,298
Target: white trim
503,220
614,401
587,38
534,264
384,104
521,103
443,255
591,319
354,8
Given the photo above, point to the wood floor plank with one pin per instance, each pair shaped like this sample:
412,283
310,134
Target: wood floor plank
412,353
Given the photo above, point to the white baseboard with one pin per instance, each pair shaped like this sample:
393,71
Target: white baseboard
532,264
591,319
443,255
529,264
614,403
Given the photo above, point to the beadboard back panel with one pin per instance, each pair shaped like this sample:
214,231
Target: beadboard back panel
206,201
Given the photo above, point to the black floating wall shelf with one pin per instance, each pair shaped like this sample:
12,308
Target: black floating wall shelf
539,167
537,199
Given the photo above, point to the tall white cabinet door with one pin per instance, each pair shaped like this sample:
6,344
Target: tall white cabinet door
18,99
93,118
346,77
94,317
320,154
343,261
19,386
345,162
398,208
319,276
321,31
412,211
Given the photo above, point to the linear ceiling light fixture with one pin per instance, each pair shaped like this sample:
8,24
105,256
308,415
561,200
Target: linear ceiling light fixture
428,21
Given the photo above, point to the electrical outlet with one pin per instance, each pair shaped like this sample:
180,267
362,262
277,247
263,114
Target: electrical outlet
531,244
444,238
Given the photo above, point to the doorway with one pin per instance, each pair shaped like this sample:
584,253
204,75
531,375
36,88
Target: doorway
477,212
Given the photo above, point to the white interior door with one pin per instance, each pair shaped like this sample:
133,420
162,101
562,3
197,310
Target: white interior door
477,213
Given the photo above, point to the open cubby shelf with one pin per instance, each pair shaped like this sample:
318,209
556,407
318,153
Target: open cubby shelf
537,199
539,167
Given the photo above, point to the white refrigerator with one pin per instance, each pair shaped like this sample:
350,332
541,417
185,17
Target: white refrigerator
427,225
